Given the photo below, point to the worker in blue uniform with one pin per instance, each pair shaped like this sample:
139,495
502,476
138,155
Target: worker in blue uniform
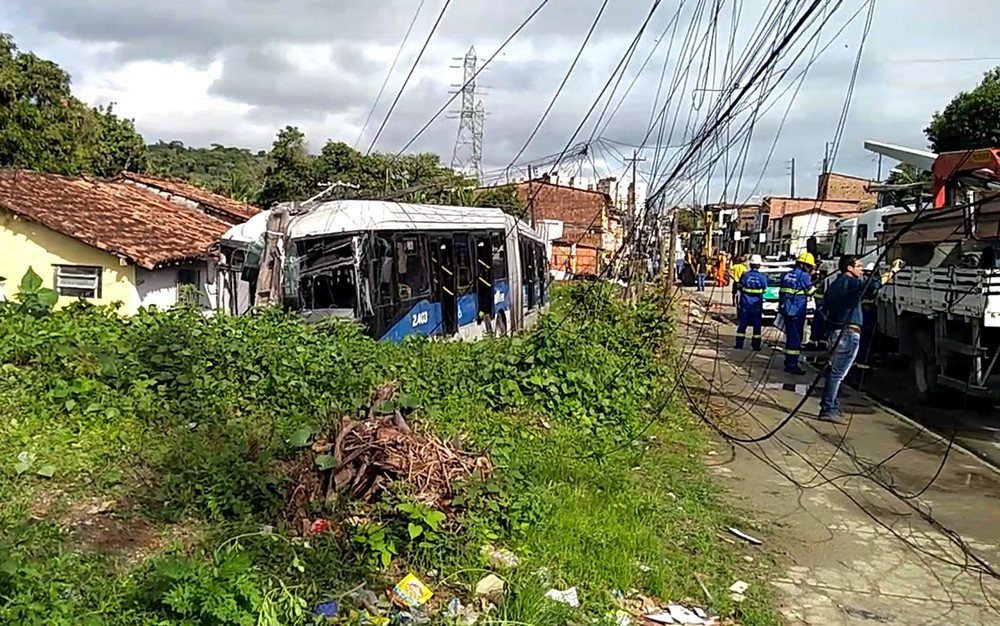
751,287
793,297
868,320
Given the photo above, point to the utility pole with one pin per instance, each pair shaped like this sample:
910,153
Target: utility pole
878,177
793,178
826,157
671,249
637,272
531,196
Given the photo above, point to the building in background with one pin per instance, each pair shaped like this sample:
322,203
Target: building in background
115,240
834,186
591,228
791,222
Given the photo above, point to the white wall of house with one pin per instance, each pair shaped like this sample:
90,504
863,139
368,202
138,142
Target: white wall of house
161,287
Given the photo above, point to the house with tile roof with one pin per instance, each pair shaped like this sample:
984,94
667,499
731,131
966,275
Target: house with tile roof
792,221
137,240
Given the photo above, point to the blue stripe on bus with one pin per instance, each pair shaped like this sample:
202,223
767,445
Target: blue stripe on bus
423,319
501,296
468,309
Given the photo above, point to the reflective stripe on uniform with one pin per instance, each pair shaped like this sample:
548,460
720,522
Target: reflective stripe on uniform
754,292
792,352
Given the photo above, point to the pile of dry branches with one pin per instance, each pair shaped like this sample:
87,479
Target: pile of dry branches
373,452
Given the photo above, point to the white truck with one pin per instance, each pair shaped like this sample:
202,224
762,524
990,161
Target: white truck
943,308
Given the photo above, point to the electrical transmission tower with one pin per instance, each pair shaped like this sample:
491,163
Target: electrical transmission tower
467,157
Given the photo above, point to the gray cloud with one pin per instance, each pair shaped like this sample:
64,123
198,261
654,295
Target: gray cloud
331,97
266,80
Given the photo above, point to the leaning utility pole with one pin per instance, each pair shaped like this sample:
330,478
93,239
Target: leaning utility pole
467,156
637,272
792,178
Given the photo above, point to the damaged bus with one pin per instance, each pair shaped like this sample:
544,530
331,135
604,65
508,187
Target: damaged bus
398,269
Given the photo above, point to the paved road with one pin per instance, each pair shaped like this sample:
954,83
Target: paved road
873,523
975,428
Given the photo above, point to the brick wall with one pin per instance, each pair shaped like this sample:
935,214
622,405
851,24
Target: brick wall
574,207
833,186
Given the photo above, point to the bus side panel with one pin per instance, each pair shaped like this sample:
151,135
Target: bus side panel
501,297
423,319
468,309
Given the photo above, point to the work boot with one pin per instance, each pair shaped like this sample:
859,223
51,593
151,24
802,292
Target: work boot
833,417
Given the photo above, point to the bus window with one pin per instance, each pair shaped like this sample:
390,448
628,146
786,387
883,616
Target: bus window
412,275
484,274
541,266
382,271
528,274
499,257
463,264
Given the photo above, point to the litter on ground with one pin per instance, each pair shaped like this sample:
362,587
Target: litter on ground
411,592
490,587
568,596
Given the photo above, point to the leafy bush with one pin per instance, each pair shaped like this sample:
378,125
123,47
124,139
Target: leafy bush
200,414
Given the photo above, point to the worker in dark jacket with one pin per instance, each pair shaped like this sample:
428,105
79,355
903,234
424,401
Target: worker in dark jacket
793,298
752,286
842,307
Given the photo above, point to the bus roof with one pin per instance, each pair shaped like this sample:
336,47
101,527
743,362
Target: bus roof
355,216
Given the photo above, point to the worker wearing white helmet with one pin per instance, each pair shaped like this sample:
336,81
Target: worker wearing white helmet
752,286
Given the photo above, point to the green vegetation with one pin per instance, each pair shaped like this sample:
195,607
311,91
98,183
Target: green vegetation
44,127
971,120
147,467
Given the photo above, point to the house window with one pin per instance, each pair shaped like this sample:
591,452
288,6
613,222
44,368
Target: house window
78,281
187,276
189,286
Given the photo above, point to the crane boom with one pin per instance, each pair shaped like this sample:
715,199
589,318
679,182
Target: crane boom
921,159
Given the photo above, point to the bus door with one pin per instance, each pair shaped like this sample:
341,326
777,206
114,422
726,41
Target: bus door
483,246
443,257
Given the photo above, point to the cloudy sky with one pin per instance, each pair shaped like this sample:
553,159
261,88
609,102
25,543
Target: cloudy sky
234,71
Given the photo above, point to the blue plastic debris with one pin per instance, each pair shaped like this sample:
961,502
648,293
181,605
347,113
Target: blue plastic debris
327,609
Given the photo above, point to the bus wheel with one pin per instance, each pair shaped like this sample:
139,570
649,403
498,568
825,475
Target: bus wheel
924,368
501,324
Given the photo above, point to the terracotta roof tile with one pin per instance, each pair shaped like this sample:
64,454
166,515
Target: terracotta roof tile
114,216
232,211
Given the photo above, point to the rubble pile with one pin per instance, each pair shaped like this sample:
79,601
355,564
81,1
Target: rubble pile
360,458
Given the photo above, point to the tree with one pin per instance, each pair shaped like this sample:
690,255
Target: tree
690,219
44,127
289,174
118,147
904,174
971,120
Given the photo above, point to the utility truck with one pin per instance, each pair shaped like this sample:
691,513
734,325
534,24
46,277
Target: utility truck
943,308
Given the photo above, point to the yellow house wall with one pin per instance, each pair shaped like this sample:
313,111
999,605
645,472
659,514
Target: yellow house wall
25,244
